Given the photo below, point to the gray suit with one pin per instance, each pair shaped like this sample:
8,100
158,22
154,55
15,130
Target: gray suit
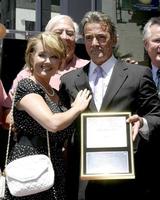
131,88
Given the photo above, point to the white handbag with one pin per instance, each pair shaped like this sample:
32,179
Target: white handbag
30,174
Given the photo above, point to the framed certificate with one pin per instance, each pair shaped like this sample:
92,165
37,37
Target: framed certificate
106,146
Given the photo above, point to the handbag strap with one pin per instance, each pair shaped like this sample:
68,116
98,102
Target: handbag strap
10,130
48,144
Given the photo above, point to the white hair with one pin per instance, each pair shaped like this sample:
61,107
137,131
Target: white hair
53,21
147,30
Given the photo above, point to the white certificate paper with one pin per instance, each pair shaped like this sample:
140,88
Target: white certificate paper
107,131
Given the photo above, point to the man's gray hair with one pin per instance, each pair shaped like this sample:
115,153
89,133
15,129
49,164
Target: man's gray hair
146,30
98,17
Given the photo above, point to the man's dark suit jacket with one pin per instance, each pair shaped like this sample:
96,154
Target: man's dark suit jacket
131,88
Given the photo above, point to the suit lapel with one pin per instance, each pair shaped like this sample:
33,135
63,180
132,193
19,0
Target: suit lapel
118,77
82,81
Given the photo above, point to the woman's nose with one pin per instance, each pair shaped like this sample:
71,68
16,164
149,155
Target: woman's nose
47,59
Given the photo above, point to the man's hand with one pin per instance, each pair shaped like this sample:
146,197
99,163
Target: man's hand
130,60
137,123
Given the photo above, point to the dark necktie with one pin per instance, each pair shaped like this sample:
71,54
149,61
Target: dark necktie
158,83
98,87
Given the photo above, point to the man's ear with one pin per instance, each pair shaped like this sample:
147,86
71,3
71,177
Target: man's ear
145,45
114,41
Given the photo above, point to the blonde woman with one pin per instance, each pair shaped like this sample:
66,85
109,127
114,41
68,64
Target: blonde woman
38,107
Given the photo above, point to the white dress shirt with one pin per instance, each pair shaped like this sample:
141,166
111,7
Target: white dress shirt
107,72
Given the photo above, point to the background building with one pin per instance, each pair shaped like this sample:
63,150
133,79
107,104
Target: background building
23,18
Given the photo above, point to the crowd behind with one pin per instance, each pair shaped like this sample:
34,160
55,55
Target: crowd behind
55,86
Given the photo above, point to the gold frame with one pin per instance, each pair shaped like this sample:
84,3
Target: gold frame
94,151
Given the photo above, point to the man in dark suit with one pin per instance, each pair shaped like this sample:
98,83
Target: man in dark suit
151,38
125,87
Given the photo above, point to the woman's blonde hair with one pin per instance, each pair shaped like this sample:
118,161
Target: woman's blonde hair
51,43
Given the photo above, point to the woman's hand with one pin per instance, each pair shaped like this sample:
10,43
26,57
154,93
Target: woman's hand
82,100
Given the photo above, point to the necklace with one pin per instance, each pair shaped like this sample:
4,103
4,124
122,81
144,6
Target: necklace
46,91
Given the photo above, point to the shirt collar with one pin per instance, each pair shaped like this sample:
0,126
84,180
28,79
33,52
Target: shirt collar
107,66
154,73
